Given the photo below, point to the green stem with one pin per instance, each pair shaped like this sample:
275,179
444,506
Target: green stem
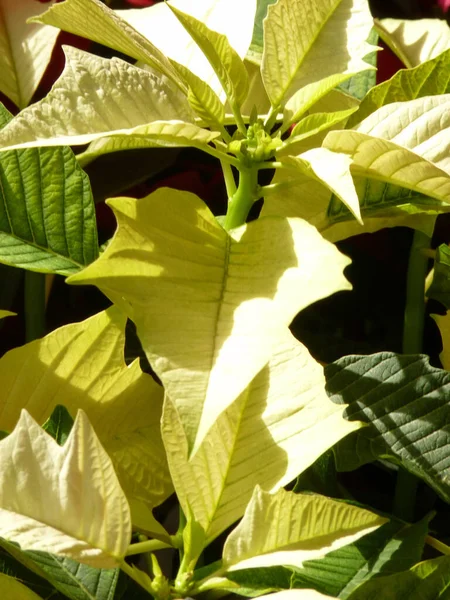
228,176
437,545
242,201
132,574
221,156
147,546
406,485
34,305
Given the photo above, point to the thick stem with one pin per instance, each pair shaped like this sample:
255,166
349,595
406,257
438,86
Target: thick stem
406,485
34,305
147,546
242,201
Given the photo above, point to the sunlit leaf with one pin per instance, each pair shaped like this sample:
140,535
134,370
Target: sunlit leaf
276,428
287,529
93,20
428,79
82,366
228,297
315,123
93,98
159,25
331,169
47,212
25,49
81,511
415,41
306,41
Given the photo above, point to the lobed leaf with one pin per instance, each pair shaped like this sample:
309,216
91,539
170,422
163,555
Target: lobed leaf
25,50
95,97
182,275
81,511
82,366
305,41
286,529
47,213
276,428
93,20
404,402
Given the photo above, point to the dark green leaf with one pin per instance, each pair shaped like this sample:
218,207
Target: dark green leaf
59,424
440,287
257,44
428,580
47,213
74,580
406,405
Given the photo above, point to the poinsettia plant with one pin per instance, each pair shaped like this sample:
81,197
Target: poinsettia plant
233,407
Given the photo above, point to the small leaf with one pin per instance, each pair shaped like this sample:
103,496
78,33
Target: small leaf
428,79
59,424
95,97
416,41
213,290
426,581
404,403
47,212
226,62
283,529
25,50
297,48
276,429
81,511
315,123
6,313
93,20
11,588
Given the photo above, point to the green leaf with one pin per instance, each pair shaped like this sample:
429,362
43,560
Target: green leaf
95,97
228,297
47,213
315,123
393,547
93,20
25,50
426,581
276,428
82,365
428,79
440,286
331,169
6,313
202,98
11,588
59,424
76,581
81,511
159,24
297,48
283,529
359,85
415,41
226,62
157,134
405,404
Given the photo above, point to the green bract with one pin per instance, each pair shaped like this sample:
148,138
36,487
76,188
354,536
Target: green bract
232,407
